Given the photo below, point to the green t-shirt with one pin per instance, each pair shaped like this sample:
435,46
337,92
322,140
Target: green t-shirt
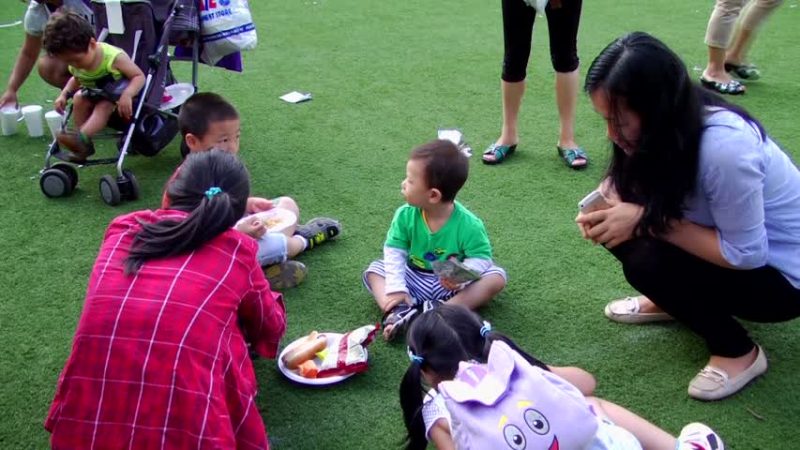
463,235
105,69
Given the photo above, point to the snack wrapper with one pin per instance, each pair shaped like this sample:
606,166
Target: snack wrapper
454,270
348,353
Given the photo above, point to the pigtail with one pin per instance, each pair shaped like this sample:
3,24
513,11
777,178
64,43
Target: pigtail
411,398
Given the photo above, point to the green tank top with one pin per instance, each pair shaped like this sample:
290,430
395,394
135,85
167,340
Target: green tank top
105,71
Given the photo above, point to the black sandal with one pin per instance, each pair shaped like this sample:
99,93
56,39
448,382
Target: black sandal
398,317
732,87
743,71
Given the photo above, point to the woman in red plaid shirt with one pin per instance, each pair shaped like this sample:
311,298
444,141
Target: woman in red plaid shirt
160,356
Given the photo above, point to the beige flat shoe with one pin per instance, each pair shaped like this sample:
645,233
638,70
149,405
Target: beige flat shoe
713,383
627,310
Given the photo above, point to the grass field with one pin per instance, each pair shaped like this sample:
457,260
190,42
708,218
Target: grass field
384,76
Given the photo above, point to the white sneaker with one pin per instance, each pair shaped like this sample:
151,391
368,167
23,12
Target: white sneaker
697,436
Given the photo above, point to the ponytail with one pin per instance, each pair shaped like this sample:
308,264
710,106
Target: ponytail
213,188
411,397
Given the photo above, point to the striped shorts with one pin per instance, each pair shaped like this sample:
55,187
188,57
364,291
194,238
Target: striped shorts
422,285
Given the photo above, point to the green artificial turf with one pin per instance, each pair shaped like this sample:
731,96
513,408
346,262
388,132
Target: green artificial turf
385,76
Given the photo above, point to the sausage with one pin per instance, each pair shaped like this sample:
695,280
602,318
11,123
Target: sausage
305,350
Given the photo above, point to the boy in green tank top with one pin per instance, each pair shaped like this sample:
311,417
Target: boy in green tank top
432,227
106,76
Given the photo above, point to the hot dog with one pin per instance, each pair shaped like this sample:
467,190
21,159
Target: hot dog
305,350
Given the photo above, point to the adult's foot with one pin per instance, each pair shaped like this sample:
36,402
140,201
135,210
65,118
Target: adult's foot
723,377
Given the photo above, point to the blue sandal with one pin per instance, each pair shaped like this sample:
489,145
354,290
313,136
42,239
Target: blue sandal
498,152
572,155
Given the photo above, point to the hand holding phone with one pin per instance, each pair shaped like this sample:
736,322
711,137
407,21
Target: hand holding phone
594,201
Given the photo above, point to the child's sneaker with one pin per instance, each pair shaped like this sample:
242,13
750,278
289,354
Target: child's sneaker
80,146
285,275
319,230
697,436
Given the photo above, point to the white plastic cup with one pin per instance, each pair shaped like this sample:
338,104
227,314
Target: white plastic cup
33,120
9,116
54,121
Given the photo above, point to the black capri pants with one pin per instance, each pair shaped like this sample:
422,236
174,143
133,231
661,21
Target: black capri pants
705,297
562,24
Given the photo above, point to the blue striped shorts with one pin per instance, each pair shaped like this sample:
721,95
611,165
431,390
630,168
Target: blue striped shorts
422,285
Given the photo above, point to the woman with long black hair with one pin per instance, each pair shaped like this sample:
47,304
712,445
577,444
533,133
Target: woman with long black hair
704,209
175,301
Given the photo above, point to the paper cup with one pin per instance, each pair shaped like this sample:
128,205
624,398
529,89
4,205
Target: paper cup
33,120
8,117
54,121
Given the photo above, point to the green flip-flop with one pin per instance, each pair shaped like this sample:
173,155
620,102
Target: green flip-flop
572,155
499,152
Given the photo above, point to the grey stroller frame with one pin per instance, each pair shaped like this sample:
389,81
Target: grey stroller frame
151,27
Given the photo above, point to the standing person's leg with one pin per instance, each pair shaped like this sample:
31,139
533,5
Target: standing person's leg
518,20
718,36
753,15
562,24
707,298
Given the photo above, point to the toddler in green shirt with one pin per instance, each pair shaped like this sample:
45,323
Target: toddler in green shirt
432,226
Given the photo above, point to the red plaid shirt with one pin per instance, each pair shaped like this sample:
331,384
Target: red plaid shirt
160,358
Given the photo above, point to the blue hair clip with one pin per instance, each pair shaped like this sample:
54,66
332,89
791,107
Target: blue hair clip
414,358
486,328
212,191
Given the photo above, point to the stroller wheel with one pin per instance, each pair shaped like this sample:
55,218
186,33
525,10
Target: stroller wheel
109,190
55,183
128,185
71,172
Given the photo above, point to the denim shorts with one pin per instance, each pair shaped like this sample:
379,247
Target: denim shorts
272,249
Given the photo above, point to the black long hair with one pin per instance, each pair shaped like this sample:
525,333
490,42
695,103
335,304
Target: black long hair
641,74
211,211
443,337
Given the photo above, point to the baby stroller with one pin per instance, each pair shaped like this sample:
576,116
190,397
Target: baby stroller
149,29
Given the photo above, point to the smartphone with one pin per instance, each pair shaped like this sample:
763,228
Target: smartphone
594,201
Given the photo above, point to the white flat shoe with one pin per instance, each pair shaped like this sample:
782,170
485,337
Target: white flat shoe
713,383
627,310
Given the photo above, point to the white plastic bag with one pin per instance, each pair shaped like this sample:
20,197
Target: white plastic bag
226,27
538,5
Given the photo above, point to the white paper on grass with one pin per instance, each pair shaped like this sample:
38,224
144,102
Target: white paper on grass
455,136
295,97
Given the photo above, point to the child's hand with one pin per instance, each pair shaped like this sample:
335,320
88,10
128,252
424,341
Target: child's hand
394,299
449,284
258,204
125,106
60,104
252,227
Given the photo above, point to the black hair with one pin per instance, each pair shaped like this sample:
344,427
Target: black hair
200,110
67,32
211,212
641,74
443,337
446,167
